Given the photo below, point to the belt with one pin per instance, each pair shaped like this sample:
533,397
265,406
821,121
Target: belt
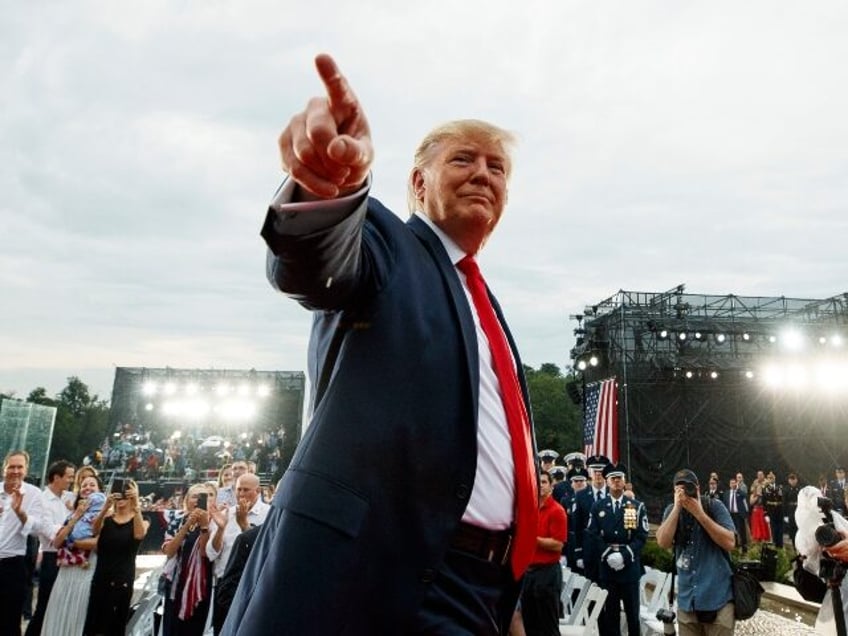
489,545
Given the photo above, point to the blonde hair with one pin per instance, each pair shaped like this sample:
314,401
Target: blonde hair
457,129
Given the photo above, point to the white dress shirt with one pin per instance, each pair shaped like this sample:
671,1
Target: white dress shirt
13,534
55,511
255,517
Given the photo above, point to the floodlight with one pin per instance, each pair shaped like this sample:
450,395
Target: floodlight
663,334
720,338
148,407
699,335
836,340
149,388
714,374
222,389
191,388
772,339
749,374
263,390
593,361
822,340
746,336
244,389
689,374
581,365
792,340
682,336
170,388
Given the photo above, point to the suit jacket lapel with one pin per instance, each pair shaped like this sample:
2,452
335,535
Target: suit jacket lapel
459,303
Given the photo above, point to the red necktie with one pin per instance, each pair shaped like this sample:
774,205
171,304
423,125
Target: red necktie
526,490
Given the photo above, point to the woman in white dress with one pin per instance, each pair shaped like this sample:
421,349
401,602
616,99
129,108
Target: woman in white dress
66,609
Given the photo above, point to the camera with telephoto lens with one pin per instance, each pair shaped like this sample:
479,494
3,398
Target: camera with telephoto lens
667,618
828,536
690,489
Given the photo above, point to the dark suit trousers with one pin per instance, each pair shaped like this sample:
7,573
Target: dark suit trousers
46,578
12,593
540,600
741,528
469,597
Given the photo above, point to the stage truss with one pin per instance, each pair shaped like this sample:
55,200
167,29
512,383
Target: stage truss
691,371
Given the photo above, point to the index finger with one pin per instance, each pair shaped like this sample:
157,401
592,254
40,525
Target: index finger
339,93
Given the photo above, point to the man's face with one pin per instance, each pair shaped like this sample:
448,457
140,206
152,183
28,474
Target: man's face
239,469
247,488
732,484
840,475
578,484
713,484
739,478
463,188
616,486
14,471
793,481
545,488
598,480
64,481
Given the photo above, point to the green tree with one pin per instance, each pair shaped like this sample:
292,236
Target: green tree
558,421
82,420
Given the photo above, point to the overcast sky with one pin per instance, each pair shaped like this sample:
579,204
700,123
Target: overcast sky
661,143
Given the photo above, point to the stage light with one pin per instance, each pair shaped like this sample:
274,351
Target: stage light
222,389
746,336
263,390
236,409
836,340
689,375
191,388
581,365
681,336
148,407
699,335
244,390
772,339
170,388
792,340
714,375
822,340
593,361
720,338
149,388
663,334
749,374
773,376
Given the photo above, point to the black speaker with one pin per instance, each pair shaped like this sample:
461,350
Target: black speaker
768,559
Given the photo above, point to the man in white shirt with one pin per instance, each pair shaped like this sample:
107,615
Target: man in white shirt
57,502
20,515
228,523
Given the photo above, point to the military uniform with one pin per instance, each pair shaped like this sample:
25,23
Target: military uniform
583,502
790,505
568,503
836,493
618,530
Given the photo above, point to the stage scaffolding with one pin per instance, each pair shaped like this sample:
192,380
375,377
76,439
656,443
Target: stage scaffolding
691,394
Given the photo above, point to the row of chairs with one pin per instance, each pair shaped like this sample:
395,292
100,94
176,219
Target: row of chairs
582,602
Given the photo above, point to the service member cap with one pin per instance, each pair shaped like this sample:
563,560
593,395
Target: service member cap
614,470
557,470
575,458
597,462
685,476
578,474
548,455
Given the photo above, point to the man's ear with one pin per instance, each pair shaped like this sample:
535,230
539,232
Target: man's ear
418,187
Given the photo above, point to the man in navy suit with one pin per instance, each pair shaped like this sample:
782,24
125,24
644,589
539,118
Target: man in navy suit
396,514
737,503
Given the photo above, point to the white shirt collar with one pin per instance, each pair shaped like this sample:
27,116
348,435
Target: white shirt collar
455,253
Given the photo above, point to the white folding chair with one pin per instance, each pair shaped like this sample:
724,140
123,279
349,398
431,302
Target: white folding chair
573,596
586,623
651,625
653,591
143,621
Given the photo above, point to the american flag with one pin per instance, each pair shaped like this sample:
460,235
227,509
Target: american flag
600,419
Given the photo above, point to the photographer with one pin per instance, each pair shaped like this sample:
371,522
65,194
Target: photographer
700,538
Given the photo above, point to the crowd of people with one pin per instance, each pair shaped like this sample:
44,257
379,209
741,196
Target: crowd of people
87,540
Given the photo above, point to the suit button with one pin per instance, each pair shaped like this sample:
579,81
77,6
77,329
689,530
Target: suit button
428,575
462,491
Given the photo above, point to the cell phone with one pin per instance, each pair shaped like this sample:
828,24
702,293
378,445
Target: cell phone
203,500
118,487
